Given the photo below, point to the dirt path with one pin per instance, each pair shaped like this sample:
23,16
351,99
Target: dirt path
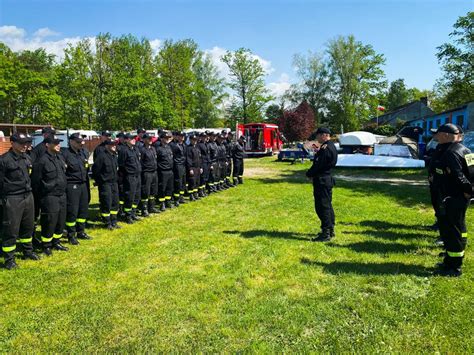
390,181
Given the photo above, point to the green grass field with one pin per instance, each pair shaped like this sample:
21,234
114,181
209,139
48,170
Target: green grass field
237,272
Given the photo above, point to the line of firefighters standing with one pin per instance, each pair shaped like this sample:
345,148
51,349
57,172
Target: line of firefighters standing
135,174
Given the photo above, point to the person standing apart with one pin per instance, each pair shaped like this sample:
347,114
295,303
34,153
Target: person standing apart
320,172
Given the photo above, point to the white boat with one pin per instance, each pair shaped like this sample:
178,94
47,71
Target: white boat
378,161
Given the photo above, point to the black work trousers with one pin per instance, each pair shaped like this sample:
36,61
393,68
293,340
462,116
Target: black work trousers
213,174
238,168
194,180
228,172
18,223
149,186
109,201
435,199
179,173
452,229
131,192
53,219
165,185
204,176
322,192
77,207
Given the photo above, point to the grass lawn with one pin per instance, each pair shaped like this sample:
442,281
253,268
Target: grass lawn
237,272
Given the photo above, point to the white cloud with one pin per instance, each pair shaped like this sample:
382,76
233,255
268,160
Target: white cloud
18,40
279,87
45,32
155,45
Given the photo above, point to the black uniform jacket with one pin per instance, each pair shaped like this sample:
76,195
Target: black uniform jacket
49,175
193,157
238,151
324,160
105,168
179,153
129,160
148,159
14,174
451,170
164,156
204,148
76,162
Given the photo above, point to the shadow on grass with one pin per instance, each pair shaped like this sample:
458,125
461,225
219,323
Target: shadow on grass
271,234
389,225
380,248
390,235
344,267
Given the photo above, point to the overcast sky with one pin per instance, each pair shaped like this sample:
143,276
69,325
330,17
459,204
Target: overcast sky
407,32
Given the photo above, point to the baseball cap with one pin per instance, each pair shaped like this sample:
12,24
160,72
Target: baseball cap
166,134
323,130
106,133
141,130
446,128
147,136
49,130
110,142
76,136
20,138
52,140
129,136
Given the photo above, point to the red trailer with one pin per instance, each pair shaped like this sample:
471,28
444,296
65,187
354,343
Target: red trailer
262,138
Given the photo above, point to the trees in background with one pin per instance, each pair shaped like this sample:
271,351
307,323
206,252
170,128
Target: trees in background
298,124
247,81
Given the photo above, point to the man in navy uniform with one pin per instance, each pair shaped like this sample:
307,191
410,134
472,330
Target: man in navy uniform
324,160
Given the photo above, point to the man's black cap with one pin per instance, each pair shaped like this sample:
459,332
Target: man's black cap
179,133
76,136
110,142
166,134
52,140
446,128
106,133
49,130
141,130
202,134
20,138
120,135
323,130
193,136
147,136
129,136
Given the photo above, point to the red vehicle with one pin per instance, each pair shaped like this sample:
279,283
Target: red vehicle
262,138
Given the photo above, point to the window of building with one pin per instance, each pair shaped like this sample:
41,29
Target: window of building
460,120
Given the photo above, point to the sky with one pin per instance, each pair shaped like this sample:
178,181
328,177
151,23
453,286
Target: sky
407,32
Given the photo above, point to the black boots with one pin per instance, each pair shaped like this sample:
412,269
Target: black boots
11,264
324,236
71,237
182,201
145,210
169,204
151,207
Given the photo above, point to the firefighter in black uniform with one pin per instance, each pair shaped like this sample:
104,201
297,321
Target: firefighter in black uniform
149,176
104,136
205,162
120,144
193,167
213,167
77,189
228,156
221,162
165,170
179,167
453,177
105,174
139,140
17,200
49,180
238,155
130,168
324,160
40,149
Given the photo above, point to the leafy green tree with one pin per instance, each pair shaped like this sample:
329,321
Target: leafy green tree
38,100
9,84
102,80
174,64
247,81
314,84
457,60
209,93
398,94
273,113
357,80
76,87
